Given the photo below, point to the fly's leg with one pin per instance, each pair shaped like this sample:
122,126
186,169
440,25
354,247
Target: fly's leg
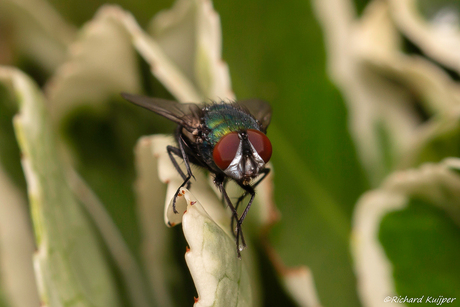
174,150
224,184
239,221
181,153
219,181
265,172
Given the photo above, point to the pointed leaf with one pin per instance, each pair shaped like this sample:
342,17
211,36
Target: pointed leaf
17,278
69,263
220,277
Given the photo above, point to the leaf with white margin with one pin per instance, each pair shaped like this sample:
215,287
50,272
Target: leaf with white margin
429,82
437,183
190,35
438,35
101,63
381,121
70,266
219,276
215,211
39,30
17,279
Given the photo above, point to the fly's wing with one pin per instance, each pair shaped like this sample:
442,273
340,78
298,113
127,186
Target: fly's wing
187,115
260,109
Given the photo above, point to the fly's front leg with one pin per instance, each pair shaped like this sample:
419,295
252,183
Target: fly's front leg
239,222
265,172
220,184
247,190
181,153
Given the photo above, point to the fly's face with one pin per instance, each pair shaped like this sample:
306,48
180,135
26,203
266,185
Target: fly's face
242,155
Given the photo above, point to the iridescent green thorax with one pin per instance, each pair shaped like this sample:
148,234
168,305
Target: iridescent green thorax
222,119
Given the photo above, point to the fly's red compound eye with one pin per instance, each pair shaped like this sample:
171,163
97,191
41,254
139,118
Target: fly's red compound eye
261,144
225,150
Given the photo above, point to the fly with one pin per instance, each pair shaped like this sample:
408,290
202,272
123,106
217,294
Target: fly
227,139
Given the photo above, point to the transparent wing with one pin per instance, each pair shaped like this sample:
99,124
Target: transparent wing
260,109
187,115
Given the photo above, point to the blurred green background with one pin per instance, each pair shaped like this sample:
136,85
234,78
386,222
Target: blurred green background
275,51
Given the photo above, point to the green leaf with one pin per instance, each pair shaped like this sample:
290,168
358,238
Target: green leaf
70,266
405,235
421,242
17,278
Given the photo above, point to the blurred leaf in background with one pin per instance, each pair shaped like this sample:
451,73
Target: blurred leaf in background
402,91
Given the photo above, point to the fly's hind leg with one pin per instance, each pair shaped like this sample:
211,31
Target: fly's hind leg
180,152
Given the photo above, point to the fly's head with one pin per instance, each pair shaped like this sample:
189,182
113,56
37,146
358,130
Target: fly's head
242,155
